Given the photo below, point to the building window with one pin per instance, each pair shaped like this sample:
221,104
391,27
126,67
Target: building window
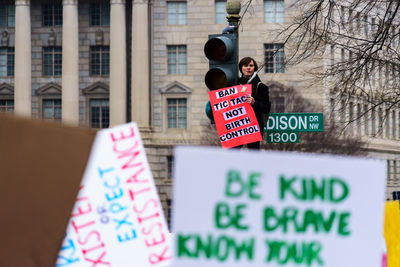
274,11
7,105
99,60
170,166
7,61
100,14
169,212
51,109
220,11
7,16
177,112
177,59
176,12
274,58
99,113
52,14
393,172
52,61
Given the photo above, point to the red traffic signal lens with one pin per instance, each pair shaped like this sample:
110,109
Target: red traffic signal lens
218,78
218,48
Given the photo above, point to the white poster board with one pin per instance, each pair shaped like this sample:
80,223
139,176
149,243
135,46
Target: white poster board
117,219
241,208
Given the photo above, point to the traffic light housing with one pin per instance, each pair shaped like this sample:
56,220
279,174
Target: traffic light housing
221,51
209,112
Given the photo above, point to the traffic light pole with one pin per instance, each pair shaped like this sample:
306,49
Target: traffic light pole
222,51
233,8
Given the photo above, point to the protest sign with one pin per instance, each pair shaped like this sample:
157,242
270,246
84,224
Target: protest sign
391,232
276,209
117,219
234,118
42,165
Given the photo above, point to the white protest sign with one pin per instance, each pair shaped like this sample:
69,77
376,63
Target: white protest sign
117,219
243,208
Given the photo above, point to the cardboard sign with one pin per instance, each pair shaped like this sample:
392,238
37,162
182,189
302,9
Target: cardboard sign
391,232
117,219
234,118
42,165
276,209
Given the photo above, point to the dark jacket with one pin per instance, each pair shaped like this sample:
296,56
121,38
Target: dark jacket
261,96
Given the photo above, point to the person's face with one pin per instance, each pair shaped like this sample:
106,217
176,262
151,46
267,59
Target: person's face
248,69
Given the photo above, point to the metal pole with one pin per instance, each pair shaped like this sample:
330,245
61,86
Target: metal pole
233,9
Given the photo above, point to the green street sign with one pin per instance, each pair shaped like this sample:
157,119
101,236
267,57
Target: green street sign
282,137
295,122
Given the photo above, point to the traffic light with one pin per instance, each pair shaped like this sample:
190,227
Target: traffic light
221,51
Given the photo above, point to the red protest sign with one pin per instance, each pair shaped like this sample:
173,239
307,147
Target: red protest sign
235,118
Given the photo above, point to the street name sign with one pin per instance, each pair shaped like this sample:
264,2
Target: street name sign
285,127
282,137
299,122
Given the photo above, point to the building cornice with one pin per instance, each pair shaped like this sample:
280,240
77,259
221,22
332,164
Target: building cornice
70,2
140,2
117,2
22,2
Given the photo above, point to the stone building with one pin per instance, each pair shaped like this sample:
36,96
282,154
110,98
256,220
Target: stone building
103,63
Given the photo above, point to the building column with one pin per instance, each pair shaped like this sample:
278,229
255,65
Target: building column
70,63
23,56
140,65
117,63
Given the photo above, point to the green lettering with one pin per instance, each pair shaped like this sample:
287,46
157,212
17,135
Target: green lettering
300,221
182,246
289,215
297,256
253,182
310,219
274,249
313,254
239,216
221,251
344,224
219,248
294,253
303,195
326,224
221,215
235,185
286,187
204,247
333,183
225,219
299,253
318,190
270,215
245,249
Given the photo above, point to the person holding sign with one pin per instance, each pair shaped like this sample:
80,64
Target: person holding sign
259,98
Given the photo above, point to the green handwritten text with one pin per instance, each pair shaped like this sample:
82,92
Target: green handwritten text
220,248
303,220
283,252
332,190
